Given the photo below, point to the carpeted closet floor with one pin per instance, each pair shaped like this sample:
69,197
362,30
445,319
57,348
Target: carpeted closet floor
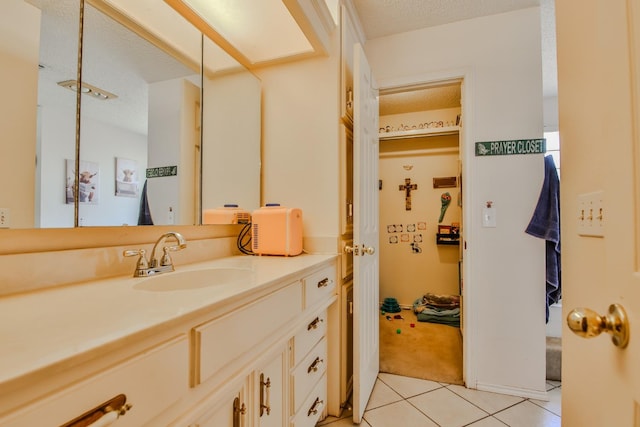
427,350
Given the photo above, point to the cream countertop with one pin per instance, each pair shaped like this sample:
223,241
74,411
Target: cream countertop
59,327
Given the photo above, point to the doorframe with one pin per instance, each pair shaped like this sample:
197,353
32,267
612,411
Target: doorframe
467,153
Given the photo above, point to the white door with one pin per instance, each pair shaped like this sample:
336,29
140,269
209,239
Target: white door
365,235
599,107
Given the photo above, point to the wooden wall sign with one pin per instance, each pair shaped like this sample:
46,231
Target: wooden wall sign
445,182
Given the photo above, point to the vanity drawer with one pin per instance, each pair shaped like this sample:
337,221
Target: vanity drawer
225,339
319,285
308,336
308,372
313,406
151,382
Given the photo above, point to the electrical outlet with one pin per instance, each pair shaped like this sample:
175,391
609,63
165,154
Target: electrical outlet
4,218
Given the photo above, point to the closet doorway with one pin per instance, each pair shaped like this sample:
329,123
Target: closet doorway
421,226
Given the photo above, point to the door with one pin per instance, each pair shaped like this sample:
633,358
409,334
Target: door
365,235
270,398
230,410
598,91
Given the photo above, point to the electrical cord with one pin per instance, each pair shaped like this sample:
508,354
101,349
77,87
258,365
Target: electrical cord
244,240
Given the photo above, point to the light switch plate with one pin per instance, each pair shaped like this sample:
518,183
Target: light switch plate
4,218
489,217
591,214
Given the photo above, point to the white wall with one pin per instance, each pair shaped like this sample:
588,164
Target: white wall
500,56
231,141
300,142
19,52
172,142
102,143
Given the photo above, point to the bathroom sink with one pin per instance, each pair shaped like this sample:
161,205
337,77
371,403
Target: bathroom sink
194,279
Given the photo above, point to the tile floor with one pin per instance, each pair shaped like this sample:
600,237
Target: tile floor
399,401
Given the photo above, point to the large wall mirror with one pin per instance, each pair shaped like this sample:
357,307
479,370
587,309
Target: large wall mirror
169,123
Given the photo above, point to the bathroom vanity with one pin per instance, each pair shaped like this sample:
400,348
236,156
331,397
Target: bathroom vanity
233,341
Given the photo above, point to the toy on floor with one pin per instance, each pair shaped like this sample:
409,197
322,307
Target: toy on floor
390,305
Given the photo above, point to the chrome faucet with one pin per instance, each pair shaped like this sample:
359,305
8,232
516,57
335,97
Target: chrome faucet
157,265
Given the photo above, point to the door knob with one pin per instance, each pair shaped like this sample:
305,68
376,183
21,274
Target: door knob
587,323
369,250
351,249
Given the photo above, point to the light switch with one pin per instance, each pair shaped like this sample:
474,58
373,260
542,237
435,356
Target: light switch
4,218
591,214
489,217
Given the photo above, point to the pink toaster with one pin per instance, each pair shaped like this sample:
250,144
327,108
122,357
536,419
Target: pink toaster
276,230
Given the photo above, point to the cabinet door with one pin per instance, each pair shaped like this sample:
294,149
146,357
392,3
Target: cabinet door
270,402
230,411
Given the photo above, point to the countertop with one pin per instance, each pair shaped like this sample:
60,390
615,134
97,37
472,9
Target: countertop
42,330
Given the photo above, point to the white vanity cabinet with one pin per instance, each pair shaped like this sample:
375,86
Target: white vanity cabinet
154,379
255,358
258,399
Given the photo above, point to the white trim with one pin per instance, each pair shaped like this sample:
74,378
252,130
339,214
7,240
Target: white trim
469,314
355,20
423,152
514,391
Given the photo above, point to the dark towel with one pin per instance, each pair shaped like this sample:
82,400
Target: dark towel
144,214
545,224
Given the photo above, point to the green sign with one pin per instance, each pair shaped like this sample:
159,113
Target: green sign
162,171
508,148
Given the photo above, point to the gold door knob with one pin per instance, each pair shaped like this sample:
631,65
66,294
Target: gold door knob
587,323
369,250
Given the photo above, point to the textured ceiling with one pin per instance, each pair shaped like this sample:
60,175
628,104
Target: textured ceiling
380,18
114,59
385,17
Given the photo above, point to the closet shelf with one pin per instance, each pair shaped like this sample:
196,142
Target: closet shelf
417,133
447,239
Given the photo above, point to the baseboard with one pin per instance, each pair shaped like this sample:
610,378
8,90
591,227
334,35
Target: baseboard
513,391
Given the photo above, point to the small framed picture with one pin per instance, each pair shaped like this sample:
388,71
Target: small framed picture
444,229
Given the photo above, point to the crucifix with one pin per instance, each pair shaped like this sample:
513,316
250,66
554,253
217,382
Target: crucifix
407,187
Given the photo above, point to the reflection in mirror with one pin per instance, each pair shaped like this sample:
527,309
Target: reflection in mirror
38,48
231,135
140,112
35,107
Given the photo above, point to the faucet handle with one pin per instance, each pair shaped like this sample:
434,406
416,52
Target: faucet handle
142,264
166,258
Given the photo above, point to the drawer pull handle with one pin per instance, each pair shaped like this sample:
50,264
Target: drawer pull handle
314,324
314,366
324,282
314,408
265,388
237,411
104,414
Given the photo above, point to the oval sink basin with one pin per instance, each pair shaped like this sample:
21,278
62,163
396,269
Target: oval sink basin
193,279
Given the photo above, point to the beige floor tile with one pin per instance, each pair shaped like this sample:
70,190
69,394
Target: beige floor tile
382,395
447,408
490,402
396,415
554,404
407,386
345,422
527,414
488,422
553,384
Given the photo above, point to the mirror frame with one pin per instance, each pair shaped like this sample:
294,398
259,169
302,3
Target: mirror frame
33,240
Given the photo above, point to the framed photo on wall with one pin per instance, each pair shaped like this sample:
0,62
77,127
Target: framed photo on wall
88,180
126,177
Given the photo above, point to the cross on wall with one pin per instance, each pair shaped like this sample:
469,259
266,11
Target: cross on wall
407,187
